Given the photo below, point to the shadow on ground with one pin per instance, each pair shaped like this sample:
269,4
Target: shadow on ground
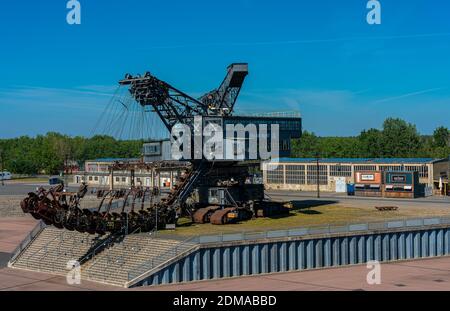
4,258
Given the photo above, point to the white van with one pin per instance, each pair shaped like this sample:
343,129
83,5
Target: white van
5,176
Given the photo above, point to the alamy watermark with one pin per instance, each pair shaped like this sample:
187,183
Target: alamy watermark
374,275
374,15
235,143
74,15
73,277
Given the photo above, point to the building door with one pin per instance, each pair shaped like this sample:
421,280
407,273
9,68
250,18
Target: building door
341,185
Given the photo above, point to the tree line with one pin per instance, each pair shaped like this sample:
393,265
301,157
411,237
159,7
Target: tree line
396,139
50,153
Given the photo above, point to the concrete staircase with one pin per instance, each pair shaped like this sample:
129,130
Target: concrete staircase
113,264
52,249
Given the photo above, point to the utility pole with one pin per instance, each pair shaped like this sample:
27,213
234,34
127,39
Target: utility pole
111,177
156,216
317,177
1,166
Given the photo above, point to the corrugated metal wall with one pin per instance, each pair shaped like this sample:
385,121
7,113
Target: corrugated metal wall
251,259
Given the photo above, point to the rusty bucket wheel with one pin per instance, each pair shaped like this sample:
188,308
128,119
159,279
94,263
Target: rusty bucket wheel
70,223
32,204
25,205
59,219
44,209
82,223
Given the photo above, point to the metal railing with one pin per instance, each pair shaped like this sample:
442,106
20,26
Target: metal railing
118,260
194,241
274,114
50,265
27,240
162,258
394,224
44,250
98,249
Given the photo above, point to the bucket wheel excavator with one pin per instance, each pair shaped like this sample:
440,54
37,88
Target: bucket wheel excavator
215,191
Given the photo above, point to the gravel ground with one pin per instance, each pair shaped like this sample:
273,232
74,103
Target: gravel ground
10,205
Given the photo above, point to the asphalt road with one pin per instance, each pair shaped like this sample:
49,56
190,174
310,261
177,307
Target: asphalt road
23,188
420,275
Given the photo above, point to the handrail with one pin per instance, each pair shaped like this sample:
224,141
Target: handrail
346,228
92,253
230,197
45,248
152,263
109,258
47,251
27,240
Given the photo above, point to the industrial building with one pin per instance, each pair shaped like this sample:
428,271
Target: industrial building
334,173
98,174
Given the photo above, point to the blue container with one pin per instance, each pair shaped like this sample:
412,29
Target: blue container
350,189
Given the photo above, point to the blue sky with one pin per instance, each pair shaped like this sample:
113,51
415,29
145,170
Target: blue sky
318,57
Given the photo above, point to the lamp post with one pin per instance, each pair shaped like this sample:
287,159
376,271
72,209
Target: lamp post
318,176
1,166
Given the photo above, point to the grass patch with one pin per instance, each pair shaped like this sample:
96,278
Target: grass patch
307,217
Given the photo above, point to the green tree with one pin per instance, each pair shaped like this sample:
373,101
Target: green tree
400,139
47,154
371,143
305,147
441,137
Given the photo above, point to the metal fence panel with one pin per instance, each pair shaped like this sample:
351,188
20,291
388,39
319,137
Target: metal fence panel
277,234
254,235
377,226
358,227
431,221
414,222
319,230
298,232
210,238
338,229
232,237
395,224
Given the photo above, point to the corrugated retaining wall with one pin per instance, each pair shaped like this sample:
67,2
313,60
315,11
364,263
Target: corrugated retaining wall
239,258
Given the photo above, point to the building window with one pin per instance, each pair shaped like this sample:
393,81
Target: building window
152,149
312,174
96,178
295,175
391,168
365,168
275,174
341,171
117,179
422,169
124,179
90,178
285,145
